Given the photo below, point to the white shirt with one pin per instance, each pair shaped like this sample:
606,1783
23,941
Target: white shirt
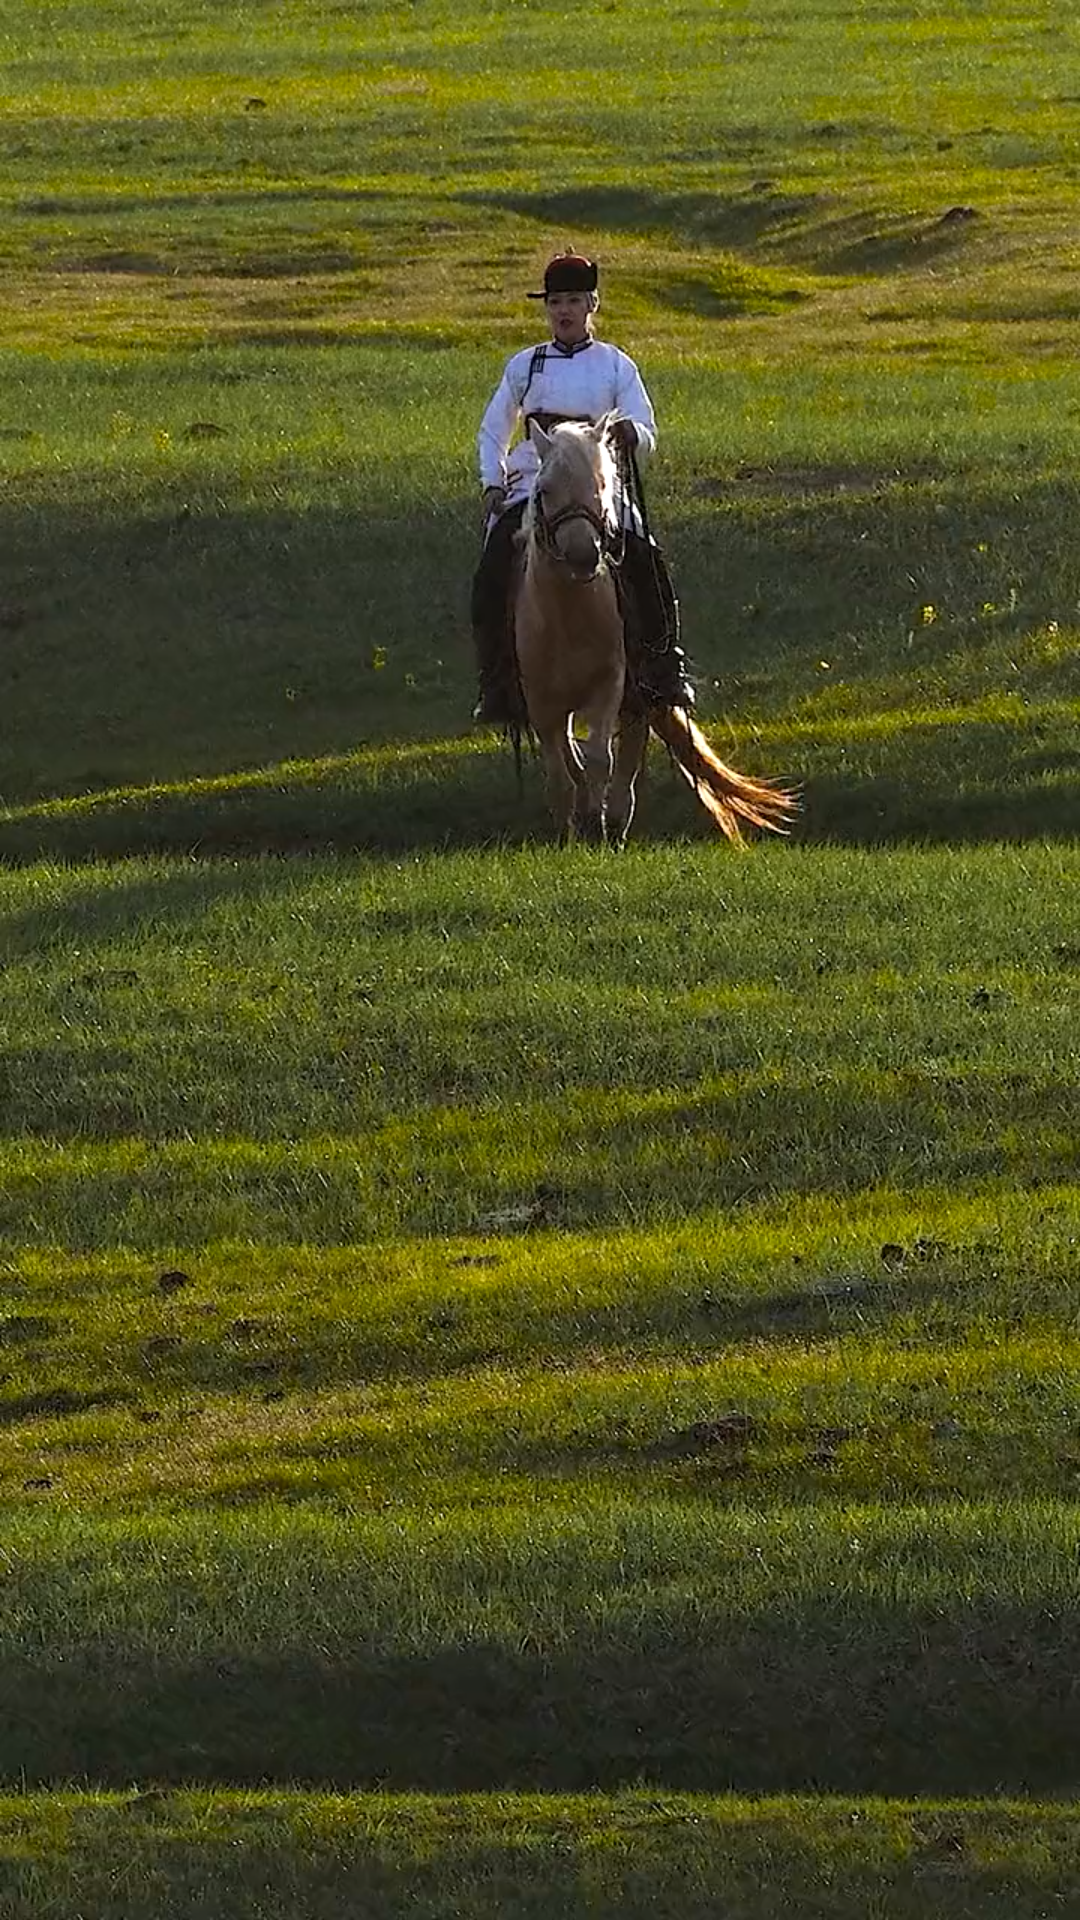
583,382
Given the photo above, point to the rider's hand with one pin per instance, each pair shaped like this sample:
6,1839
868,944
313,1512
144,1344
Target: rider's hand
492,502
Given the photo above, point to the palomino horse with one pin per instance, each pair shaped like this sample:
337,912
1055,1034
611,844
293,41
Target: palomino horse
568,632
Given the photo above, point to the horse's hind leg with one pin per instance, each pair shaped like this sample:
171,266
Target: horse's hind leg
629,760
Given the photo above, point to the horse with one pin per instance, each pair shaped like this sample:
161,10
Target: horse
571,658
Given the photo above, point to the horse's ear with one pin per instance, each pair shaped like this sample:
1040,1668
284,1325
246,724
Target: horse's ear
539,438
603,427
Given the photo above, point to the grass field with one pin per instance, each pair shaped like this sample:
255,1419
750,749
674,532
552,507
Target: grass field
530,1383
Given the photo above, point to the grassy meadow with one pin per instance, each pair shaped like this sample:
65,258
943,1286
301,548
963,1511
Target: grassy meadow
536,1383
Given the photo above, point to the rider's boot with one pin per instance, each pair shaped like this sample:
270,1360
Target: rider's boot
656,661
499,702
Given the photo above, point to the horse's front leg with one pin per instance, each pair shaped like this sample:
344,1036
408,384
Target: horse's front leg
562,768
601,716
596,754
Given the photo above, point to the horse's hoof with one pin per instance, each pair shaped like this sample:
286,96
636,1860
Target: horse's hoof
592,830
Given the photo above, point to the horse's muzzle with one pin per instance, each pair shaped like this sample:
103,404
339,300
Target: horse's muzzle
581,551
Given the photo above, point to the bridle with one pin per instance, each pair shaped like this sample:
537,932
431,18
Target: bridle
546,526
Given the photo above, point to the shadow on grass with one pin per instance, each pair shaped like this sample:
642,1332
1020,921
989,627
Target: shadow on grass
943,1702
437,800
191,641
113,205
735,221
803,226
717,302
58,1403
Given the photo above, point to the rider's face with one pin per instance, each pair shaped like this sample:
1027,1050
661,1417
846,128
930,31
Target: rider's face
568,315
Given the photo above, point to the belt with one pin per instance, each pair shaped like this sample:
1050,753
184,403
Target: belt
549,420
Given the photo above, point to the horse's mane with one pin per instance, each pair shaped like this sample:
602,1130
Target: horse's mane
577,457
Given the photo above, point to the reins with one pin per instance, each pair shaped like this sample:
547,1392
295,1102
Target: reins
630,479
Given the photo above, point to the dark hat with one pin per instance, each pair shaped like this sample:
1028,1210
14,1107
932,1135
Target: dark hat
568,273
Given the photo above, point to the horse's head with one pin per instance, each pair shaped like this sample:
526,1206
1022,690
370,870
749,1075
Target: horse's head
573,515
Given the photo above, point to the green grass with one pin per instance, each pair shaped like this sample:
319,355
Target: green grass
503,1354
271,1854
673,1372
878,582
342,1051
626,1643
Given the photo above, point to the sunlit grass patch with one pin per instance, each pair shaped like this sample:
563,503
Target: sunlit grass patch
748,1419
634,1853
932,1262
847,1349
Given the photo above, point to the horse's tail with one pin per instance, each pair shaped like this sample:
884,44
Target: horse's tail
732,798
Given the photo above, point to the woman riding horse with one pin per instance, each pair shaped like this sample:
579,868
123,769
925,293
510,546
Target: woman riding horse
571,376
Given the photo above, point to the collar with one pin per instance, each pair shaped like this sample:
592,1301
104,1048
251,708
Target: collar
567,353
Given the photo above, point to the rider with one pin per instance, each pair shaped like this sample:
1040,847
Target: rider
571,376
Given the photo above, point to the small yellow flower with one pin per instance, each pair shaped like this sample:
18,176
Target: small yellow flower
378,658
928,615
